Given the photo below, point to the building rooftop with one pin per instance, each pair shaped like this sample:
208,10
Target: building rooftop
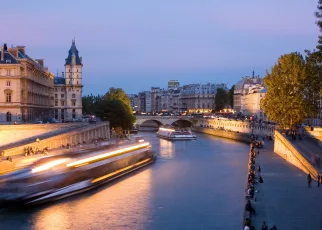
73,52
7,58
59,80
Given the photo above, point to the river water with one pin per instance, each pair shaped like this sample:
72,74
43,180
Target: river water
192,185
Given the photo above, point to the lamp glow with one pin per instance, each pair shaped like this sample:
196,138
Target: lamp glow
106,155
164,129
48,165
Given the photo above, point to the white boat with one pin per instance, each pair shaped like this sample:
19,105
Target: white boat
175,134
61,176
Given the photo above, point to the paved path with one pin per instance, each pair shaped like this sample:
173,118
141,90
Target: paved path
284,199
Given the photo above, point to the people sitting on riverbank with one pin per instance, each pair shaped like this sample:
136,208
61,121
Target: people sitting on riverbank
264,226
250,208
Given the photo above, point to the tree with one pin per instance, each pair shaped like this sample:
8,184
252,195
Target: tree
221,99
290,96
118,94
116,112
90,102
231,96
318,15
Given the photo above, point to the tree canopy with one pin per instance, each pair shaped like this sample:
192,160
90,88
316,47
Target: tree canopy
221,99
116,112
318,15
291,95
118,94
114,107
231,96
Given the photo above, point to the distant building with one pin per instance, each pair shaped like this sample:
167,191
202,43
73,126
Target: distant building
242,88
197,98
250,102
317,119
27,87
68,88
173,84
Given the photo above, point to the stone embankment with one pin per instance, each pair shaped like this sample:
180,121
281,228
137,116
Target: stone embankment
243,137
83,134
11,134
256,128
315,133
284,148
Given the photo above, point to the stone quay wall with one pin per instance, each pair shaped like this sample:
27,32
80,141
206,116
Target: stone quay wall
315,133
286,150
243,137
87,134
237,126
10,134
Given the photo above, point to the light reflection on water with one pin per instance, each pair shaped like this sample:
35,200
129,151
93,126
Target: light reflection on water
167,149
193,185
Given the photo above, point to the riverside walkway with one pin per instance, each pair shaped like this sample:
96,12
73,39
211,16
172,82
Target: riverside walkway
284,198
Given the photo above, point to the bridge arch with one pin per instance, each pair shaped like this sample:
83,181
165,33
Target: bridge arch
165,120
159,123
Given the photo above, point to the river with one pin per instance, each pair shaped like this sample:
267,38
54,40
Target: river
192,185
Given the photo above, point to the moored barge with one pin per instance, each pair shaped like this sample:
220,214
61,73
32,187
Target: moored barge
175,134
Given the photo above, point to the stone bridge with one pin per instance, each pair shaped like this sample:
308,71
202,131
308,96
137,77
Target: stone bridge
164,120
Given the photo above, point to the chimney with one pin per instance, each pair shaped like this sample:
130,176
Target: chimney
40,61
2,54
21,49
13,52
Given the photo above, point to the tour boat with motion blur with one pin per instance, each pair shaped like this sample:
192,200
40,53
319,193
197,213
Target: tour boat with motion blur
56,177
175,134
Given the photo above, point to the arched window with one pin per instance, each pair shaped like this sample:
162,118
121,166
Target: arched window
8,116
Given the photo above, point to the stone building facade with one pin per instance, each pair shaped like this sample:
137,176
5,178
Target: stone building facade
242,88
27,87
68,88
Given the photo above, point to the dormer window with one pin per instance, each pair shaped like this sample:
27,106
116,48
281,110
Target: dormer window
8,61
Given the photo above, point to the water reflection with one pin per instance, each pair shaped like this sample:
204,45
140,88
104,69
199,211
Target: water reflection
200,186
167,149
123,205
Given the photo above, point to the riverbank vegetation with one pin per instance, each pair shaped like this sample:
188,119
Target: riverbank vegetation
114,107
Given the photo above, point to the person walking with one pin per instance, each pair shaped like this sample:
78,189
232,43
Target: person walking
309,179
319,178
264,226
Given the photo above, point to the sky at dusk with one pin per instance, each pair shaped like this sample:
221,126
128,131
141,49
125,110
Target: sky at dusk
140,44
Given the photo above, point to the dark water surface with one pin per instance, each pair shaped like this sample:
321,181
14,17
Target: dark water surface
193,185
